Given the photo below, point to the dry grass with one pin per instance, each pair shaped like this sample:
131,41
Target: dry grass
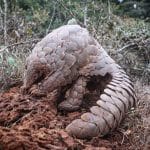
137,123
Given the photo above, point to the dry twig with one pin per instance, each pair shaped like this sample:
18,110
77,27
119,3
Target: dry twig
52,18
5,19
126,46
19,43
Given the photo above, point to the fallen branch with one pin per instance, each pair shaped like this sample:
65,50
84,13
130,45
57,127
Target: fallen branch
19,43
126,46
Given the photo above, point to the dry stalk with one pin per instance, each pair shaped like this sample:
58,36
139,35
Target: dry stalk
52,18
5,19
85,14
1,17
19,43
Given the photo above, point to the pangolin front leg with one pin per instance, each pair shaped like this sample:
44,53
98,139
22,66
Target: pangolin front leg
74,95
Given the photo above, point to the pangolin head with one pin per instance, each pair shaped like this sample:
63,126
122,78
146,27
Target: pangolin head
35,71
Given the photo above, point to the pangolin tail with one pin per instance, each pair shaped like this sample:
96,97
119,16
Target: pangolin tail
118,97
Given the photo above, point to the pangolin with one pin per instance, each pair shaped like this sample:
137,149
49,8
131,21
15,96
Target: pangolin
69,55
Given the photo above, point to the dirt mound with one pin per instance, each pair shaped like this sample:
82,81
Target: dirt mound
33,123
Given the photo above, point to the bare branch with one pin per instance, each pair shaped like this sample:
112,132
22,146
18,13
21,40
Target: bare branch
109,11
1,11
5,19
85,13
19,43
70,13
126,46
1,17
68,10
53,14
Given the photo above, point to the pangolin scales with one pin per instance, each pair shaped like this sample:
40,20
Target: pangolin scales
70,55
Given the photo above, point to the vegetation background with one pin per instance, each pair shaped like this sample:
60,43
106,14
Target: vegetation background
121,26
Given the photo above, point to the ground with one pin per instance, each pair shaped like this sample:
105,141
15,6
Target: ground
33,123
